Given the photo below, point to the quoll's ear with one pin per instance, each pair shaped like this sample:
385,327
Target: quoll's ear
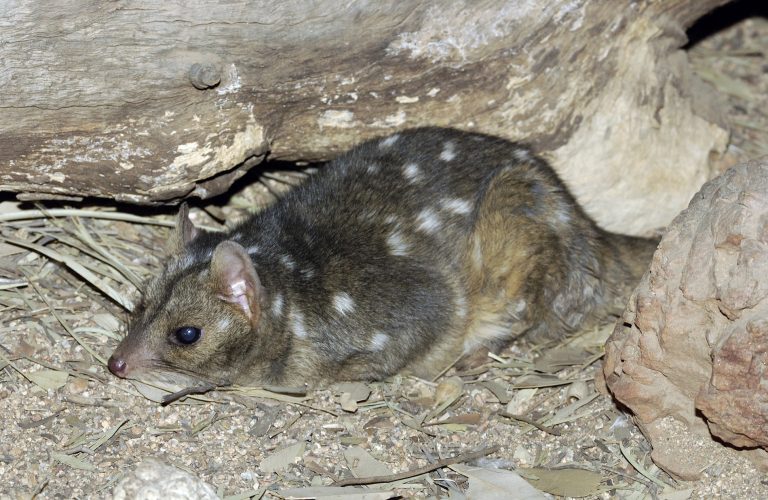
184,233
235,279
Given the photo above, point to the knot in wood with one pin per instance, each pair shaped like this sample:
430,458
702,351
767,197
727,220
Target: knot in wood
204,76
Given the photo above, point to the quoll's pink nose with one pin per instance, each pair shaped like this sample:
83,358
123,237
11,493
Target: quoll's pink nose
117,366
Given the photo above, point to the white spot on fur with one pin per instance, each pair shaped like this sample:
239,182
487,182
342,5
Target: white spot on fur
456,205
390,219
516,308
389,141
343,303
397,243
522,155
277,305
412,172
428,221
461,305
288,262
297,324
379,341
308,273
477,253
449,151
253,249
372,168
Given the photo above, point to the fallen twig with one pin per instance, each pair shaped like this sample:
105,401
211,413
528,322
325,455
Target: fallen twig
542,428
187,391
464,457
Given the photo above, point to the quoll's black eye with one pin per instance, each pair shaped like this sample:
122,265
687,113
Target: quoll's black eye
188,334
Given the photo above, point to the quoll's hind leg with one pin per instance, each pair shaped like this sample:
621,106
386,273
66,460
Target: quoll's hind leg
516,262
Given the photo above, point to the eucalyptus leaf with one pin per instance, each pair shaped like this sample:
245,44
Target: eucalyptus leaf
500,484
555,360
283,457
357,391
362,463
73,462
334,493
566,482
530,381
48,379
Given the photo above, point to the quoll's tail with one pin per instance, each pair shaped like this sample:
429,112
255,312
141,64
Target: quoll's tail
625,260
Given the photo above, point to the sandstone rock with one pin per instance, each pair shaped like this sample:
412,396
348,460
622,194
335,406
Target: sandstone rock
693,345
735,402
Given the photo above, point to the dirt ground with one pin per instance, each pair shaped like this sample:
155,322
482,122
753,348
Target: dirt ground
71,430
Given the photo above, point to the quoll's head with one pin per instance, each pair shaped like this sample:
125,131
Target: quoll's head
195,321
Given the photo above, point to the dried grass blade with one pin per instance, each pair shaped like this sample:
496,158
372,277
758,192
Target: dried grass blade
66,327
107,258
75,266
71,212
639,468
85,250
8,284
568,413
98,331
5,362
107,435
73,462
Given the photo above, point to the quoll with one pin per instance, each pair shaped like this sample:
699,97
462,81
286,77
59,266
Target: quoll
401,255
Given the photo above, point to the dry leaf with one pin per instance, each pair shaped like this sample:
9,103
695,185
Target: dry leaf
6,250
347,402
451,427
566,482
529,381
447,392
362,463
578,390
334,493
357,391
498,484
673,494
73,462
465,419
48,379
520,402
498,389
554,360
106,321
283,457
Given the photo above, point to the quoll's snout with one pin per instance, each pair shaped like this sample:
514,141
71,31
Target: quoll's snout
117,366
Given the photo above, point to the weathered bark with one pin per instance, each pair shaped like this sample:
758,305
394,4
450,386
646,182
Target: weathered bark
153,101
